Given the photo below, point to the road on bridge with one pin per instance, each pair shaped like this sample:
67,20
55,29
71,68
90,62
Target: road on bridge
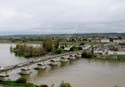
34,61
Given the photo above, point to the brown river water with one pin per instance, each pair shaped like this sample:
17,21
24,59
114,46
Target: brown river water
80,73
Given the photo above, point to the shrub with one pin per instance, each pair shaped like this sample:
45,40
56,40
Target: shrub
21,80
63,84
75,48
116,86
121,57
43,85
82,43
79,48
87,55
58,51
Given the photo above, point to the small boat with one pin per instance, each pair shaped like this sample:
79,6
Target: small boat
41,66
25,71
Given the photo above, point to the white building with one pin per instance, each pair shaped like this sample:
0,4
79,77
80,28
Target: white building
102,52
67,48
116,52
85,47
105,40
118,41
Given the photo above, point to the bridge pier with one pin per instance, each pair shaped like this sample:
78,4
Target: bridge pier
25,71
64,60
4,76
54,63
41,66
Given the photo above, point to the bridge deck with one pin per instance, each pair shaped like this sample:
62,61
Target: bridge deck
45,58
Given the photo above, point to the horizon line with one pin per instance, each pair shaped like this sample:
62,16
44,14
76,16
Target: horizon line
21,34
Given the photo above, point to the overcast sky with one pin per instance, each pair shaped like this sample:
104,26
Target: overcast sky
61,16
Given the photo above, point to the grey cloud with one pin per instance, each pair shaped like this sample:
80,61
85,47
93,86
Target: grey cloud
62,16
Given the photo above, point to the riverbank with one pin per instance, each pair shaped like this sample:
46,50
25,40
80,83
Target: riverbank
24,84
15,84
118,58
90,55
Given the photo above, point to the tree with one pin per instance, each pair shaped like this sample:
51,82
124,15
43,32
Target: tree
58,51
82,43
120,37
47,45
87,55
56,44
28,51
11,49
111,39
63,84
43,85
75,48
21,80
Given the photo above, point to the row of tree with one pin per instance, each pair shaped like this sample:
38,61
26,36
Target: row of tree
48,46
28,51
35,51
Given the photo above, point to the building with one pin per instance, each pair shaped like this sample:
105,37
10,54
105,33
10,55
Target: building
67,48
116,52
105,40
119,41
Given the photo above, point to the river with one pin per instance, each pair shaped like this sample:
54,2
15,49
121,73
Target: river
80,73
7,58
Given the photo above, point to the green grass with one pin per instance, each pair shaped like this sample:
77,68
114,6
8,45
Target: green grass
78,43
27,42
121,57
14,84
